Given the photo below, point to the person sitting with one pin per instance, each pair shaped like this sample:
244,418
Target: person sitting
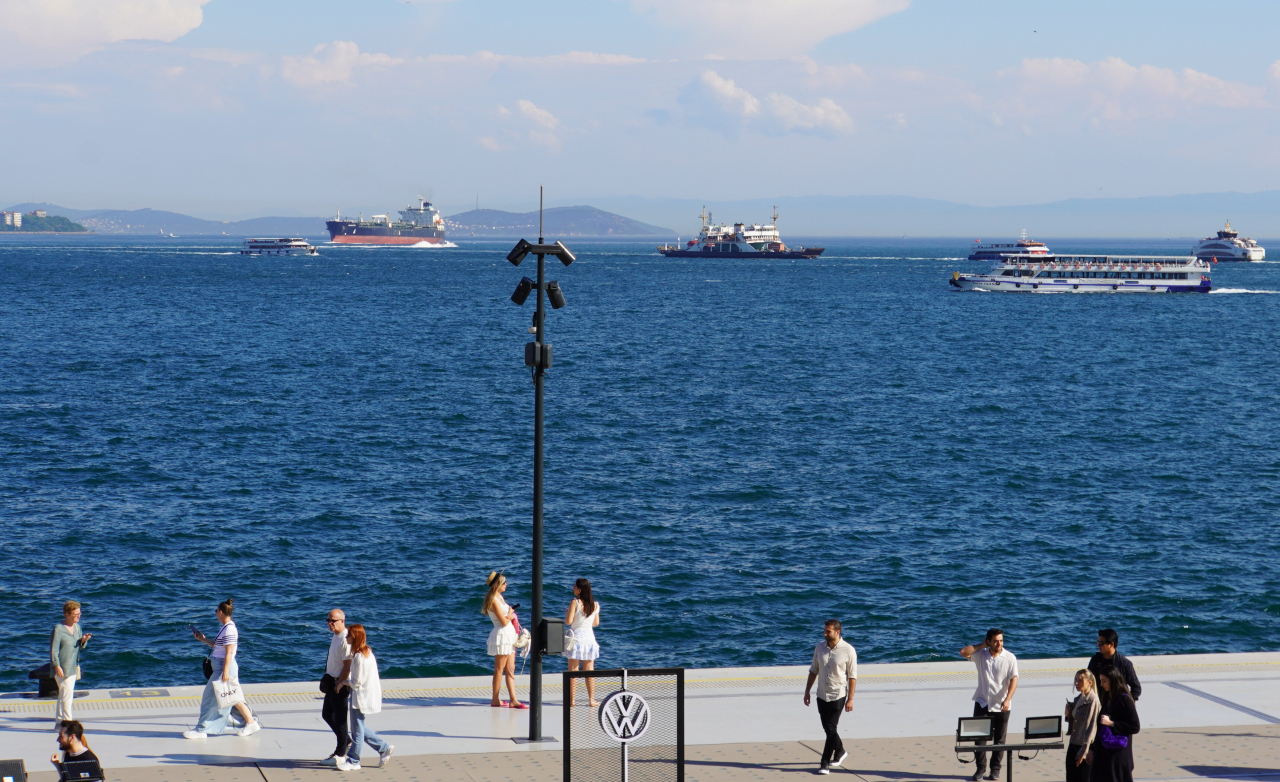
75,752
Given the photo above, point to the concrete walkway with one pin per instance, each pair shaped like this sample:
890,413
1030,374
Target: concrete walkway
1203,716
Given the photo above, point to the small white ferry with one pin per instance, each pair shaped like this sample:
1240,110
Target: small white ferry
1228,246
749,239
1091,274
1024,247
293,246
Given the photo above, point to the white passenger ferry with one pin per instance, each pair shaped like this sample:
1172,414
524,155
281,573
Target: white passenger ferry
1228,246
1091,274
1024,247
293,246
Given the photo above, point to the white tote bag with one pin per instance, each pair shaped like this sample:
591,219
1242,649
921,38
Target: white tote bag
227,693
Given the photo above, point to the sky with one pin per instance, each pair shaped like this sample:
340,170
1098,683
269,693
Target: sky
227,109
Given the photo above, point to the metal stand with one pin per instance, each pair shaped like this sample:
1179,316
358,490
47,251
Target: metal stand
1009,749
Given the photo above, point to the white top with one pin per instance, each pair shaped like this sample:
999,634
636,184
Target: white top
366,687
225,637
339,652
581,622
995,674
834,667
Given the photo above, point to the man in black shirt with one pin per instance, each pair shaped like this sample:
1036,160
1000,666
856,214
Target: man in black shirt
1107,657
74,750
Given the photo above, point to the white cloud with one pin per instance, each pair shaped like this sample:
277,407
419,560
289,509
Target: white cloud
44,33
545,121
490,143
1115,90
485,57
1274,71
332,63
767,29
719,103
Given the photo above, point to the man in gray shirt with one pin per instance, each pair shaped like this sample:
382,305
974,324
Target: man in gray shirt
835,669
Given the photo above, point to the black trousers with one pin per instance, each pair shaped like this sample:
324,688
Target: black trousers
1076,773
829,712
1000,722
335,716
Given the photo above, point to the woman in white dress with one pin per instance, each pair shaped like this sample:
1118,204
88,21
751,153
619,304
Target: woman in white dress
583,614
502,640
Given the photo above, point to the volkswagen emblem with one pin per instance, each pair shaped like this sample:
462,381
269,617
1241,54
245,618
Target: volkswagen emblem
624,716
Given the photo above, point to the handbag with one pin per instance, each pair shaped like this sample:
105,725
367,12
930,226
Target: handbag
1110,741
207,667
228,694
570,641
328,684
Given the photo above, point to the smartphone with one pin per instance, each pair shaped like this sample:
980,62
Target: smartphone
516,606
194,631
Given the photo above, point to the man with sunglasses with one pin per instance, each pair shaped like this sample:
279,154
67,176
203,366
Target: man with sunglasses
337,670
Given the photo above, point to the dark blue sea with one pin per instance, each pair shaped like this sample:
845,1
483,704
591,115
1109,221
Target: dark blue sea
736,451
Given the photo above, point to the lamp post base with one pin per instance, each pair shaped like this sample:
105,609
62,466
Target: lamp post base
543,740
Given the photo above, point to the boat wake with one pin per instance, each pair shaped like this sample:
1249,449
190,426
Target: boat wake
437,245
1239,290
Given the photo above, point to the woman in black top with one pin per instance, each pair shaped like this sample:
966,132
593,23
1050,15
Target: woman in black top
1119,719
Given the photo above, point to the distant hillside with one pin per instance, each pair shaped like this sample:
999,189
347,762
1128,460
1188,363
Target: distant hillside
154,221
557,222
31,224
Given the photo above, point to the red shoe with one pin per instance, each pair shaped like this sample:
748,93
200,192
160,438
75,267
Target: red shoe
519,705
502,705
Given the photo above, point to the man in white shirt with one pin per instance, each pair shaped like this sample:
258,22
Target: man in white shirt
835,669
338,666
997,681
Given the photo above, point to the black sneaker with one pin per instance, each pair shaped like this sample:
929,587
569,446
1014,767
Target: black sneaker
995,774
977,775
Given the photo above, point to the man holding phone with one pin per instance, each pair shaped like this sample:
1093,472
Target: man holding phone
997,681
337,670
65,643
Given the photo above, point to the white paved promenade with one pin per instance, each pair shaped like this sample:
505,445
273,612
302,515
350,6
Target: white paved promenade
728,706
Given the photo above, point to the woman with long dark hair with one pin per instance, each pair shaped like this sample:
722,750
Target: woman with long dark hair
366,699
582,616
502,640
1082,725
213,721
1117,725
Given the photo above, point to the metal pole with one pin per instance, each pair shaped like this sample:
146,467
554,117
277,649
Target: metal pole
535,670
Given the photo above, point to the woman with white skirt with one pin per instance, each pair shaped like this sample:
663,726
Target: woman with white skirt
213,721
582,616
502,640
366,699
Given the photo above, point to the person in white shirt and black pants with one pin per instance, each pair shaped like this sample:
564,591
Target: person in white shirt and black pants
997,681
835,669
336,686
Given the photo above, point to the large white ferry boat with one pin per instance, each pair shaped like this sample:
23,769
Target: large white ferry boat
1091,274
1228,246
293,246
752,240
1023,248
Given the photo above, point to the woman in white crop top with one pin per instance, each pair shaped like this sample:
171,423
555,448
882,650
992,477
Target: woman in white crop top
226,643
582,616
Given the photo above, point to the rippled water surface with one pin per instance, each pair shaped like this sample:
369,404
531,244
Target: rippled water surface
736,451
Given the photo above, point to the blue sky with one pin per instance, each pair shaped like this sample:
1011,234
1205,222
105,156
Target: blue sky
232,108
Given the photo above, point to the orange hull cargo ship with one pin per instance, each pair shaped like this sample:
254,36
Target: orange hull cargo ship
417,225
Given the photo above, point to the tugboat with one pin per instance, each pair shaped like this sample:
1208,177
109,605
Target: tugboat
1228,246
417,225
752,241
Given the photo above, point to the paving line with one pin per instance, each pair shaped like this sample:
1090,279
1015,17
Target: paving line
1224,702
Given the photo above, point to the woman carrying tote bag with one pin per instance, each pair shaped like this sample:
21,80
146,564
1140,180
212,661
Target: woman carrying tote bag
225,676
1117,725
366,699
582,616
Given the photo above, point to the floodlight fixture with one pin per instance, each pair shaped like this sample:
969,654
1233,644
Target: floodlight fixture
565,255
554,295
1043,728
975,729
518,252
522,290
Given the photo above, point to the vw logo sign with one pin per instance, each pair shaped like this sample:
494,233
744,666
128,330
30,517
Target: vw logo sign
624,716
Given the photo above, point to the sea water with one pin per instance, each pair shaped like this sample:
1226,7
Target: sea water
736,450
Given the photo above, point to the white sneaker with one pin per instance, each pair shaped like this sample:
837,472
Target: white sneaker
824,770
346,765
194,734
383,757
841,760
332,760
251,728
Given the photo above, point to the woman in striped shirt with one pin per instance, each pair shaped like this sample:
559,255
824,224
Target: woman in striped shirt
212,719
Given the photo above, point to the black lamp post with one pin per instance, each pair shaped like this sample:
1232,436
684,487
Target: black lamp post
537,355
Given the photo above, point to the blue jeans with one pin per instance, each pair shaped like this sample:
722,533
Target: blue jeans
362,735
213,720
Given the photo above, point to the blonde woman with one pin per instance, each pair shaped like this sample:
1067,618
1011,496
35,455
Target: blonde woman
1082,724
366,699
502,640
213,721
583,615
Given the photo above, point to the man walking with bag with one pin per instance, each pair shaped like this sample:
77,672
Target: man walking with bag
835,669
334,685
997,681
